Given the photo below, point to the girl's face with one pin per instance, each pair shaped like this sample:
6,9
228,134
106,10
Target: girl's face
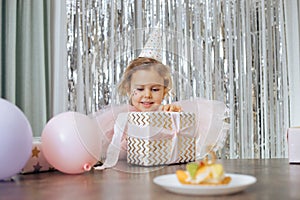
147,90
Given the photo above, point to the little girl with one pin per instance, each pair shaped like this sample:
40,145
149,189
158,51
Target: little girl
146,82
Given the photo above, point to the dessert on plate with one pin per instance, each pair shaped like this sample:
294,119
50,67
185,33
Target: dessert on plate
205,172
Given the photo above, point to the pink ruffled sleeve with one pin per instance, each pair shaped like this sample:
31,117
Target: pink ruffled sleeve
105,120
211,129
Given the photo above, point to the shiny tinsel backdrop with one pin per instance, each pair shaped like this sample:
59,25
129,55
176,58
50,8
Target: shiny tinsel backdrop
232,51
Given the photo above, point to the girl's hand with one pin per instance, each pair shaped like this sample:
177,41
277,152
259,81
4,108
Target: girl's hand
170,108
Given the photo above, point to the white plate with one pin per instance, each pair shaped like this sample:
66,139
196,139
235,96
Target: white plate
238,183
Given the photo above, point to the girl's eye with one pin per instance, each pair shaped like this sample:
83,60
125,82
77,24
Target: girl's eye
139,89
155,89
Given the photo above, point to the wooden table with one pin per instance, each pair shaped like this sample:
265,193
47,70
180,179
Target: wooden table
276,179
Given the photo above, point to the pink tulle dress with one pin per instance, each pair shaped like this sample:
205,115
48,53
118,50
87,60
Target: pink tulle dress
210,125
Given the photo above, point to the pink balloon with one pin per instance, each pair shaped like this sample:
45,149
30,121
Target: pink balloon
15,139
71,143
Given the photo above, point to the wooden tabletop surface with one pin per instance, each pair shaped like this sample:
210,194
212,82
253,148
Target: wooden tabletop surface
276,179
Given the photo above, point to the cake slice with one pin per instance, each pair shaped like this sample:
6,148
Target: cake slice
204,173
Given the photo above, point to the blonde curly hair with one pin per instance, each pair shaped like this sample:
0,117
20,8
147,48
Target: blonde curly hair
143,63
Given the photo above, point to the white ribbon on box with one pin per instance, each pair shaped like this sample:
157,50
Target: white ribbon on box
113,150
176,128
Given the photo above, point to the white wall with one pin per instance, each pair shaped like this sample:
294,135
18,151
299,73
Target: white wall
293,56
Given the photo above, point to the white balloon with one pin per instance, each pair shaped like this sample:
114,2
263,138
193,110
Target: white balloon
15,139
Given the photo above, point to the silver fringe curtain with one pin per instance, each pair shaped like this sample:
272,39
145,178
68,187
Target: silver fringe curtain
227,50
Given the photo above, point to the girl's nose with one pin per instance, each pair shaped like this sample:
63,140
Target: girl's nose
148,93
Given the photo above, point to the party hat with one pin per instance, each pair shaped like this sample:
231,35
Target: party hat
153,47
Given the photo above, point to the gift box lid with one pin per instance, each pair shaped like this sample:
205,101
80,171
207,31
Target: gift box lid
161,119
